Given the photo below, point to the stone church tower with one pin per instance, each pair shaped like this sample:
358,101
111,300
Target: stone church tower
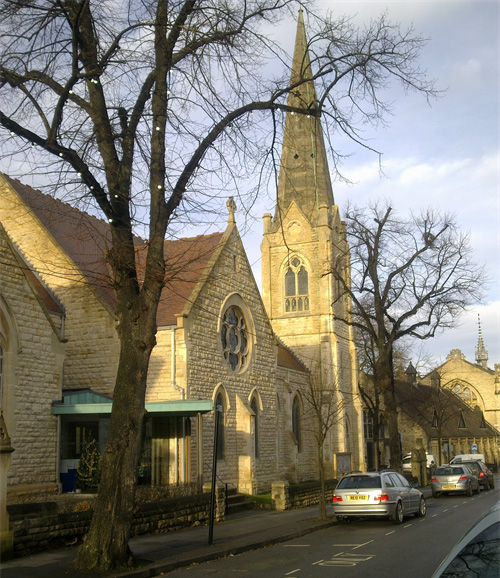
302,243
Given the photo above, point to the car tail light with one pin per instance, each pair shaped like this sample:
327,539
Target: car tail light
462,479
382,498
481,475
337,499
433,479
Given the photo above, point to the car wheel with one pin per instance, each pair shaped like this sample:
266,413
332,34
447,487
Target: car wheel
469,490
399,514
422,508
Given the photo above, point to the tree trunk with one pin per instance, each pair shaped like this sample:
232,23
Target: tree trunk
106,545
376,440
322,491
385,382
391,417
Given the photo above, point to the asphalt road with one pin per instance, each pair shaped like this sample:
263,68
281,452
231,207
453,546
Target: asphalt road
365,548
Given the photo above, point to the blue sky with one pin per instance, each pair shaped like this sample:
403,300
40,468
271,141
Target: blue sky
444,155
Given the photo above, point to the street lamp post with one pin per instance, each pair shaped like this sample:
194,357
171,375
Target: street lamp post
218,411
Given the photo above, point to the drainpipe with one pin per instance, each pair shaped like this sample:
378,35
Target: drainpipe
182,392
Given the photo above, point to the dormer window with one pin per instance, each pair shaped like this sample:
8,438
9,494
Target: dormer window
296,287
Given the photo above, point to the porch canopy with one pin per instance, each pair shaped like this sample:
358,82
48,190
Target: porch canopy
89,402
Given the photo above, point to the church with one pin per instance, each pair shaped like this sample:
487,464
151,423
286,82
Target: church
265,364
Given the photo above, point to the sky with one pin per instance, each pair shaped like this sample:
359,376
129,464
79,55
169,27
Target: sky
444,155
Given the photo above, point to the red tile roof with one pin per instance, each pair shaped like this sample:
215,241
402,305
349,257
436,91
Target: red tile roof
86,239
83,237
186,261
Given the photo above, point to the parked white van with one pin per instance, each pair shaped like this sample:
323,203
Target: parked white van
467,458
431,461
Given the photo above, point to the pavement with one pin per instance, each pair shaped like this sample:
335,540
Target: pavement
158,554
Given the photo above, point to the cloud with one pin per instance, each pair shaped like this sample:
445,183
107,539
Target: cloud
465,336
467,72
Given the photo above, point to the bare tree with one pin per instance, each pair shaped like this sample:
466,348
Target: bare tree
410,278
147,110
404,352
324,407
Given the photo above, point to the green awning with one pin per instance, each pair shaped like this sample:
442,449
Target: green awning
89,402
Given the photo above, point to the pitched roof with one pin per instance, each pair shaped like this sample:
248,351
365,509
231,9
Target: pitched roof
42,292
455,356
186,260
288,359
86,239
420,402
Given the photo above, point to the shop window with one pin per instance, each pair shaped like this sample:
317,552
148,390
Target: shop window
74,434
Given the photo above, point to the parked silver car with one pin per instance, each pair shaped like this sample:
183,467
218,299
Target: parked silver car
387,494
454,478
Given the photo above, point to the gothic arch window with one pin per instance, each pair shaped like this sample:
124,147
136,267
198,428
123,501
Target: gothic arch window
220,413
340,273
254,405
296,280
368,425
1,376
235,338
347,434
297,422
465,393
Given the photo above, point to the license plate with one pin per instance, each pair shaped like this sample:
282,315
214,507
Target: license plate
357,498
452,487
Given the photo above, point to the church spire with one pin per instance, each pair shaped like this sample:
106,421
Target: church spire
304,176
481,350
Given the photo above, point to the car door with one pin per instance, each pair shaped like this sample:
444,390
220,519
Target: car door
400,490
413,494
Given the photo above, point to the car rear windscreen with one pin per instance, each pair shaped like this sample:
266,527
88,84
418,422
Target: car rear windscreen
449,471
359,482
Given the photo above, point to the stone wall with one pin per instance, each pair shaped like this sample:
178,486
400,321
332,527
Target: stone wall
51,524
31,379
285,496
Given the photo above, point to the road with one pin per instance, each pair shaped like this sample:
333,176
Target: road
374,548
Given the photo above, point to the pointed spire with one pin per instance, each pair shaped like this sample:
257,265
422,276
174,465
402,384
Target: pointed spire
304,174
481,350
